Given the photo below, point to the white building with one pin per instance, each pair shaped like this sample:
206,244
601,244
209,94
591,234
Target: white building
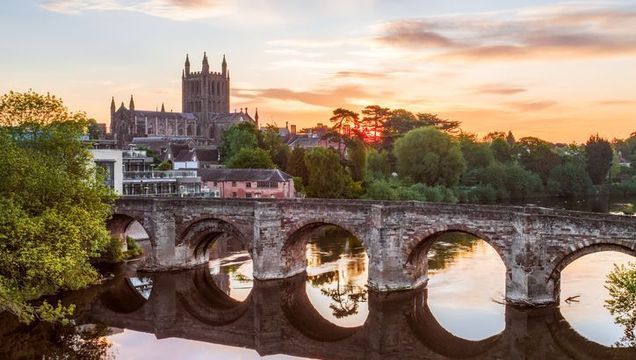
111,161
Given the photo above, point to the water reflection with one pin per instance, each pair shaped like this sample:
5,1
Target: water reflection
584,296
466,286
277,318
231,267
337,276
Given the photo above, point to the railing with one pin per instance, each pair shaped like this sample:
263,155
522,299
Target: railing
169,174
134,154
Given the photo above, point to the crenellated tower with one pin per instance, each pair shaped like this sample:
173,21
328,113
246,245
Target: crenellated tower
205,93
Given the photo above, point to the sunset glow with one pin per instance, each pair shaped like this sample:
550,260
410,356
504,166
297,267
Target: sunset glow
560,71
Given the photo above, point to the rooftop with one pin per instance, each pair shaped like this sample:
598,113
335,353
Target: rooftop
272,175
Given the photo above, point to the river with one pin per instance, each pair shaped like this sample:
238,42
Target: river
221,312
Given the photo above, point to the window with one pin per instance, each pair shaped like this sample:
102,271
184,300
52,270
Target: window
248,184
234,183
215,185
248,195
267,184
234,194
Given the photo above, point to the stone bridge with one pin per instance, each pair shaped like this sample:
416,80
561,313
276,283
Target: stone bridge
534,244
277,317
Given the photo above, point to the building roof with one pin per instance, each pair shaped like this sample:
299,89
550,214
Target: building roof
163,114
230,117
272,175
207,155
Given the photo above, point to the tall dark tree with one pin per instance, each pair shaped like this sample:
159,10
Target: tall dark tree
296,164
599,158
327,177
373,121
239,136
449,126
510,139
273,143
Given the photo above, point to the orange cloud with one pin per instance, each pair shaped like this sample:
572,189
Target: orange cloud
499,89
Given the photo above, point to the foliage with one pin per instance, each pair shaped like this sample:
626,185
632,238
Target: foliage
94,132
343,119
238,136
394,190
299,186
537,156
53,206
164,166
373,121
327,178
296,164
251,158
429,156
501,150
275,146
134,250
569,180
477,154
621,284
503,181
377,164
599,158
357,159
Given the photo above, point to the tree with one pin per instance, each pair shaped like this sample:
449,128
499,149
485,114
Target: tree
501,150
248,158
537,156
275,146
94,132
510,139
53,204
599,158
239,136
621,284
327,177
373,121
569,180
296,164
377,164
343,119
357,159
477,154
399,123
449,126
429,156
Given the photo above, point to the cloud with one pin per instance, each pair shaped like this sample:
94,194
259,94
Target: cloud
361,74
499,89
330,98
617,102
530,105
551,32
171,9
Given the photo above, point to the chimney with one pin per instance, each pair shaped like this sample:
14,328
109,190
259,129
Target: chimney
293,129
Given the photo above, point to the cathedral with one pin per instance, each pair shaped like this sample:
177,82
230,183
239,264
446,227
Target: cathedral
205,111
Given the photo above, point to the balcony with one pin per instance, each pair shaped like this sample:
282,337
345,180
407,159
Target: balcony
160,175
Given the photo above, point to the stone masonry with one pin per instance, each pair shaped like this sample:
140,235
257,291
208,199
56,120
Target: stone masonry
535,244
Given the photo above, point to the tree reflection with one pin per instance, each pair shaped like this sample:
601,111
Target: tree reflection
447,247
55,341
335,247
621,284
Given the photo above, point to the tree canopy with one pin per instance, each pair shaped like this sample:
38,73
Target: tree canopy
53,204
248,158
429,156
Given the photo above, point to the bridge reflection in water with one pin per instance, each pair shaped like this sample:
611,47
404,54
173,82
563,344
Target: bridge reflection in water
278,317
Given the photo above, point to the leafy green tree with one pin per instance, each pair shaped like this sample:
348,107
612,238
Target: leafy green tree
378,166
239,136
509,181
273,143
357,159
569,180
53,204
478,155
537,156
501,150
621,284
599,158
248,158
296,164
327,177
429,156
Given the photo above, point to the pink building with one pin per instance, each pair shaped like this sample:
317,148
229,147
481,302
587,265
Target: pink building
247,183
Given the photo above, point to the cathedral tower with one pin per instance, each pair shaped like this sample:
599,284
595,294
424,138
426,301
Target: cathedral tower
205,93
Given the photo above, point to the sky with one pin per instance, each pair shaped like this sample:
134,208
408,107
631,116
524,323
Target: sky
561,71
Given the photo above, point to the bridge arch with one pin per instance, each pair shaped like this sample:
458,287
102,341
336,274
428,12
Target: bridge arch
418,245
578,251
124,297
200,234
303,316
207,303
434,336
119,223
293,250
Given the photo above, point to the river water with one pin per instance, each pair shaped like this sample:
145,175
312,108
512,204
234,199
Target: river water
221,312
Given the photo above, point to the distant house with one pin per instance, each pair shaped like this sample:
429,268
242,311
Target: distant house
196,158
247,183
